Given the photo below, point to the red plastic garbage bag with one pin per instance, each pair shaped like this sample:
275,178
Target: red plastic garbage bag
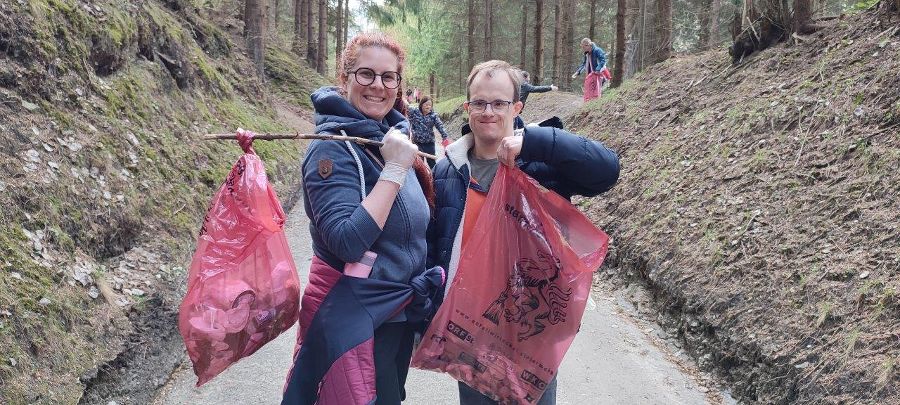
243,288
519,293
593,83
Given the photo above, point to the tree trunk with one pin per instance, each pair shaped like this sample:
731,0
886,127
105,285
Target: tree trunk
299,44
568,38
488,29
312,40
591,31
275,17
322,14
632,25
712,36
347,18
557,46
642,41
802,23
461,80
703,12
539,41
736,23
338,34
254,32
618,68
663,30
431,89
471,34
524,35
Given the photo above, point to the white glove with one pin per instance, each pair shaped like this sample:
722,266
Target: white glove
553,87
399,154
574,75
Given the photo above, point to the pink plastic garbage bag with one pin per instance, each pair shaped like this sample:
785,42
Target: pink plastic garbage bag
243,288
520,290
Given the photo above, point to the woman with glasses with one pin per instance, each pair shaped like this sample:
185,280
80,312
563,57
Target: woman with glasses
424,120
368,217
559,160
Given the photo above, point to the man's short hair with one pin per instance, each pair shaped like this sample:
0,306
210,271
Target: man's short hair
495,66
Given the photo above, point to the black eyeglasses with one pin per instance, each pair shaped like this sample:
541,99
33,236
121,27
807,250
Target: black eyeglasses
481,105
366,76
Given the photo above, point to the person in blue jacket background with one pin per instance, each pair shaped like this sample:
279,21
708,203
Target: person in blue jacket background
597,73
559,160
598,57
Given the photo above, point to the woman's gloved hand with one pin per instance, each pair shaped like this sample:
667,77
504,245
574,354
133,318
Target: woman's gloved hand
399,154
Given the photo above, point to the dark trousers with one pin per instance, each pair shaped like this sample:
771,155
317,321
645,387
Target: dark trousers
427,148
393,350
469,396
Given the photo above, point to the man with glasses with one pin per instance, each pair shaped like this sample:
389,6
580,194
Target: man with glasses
561,161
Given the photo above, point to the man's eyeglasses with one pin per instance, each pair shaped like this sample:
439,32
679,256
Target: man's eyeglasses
366,76
498,106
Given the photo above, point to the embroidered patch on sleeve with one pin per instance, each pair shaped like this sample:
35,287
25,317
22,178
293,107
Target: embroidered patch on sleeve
325,168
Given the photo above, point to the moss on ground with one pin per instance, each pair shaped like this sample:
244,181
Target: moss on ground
110,162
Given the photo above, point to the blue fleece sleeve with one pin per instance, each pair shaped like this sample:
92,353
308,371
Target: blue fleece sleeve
335,200
580,165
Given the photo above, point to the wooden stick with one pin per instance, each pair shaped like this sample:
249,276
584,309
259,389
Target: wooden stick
272,137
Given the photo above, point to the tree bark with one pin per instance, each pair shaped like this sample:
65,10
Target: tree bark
431,89
299,44
591,31
736,23
568,38
346,23
524,35
312,40
323,27
275,16
488,29
471,34
712,36
539,41
629,64
618,68
254,32
802,23
703,13
338,34
664,30
557,46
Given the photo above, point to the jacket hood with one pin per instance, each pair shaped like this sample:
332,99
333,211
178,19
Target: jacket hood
334,114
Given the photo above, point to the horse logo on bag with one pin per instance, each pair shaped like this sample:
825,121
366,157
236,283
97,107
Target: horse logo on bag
531,297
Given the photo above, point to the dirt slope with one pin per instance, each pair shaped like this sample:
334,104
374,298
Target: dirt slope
759,204
105,181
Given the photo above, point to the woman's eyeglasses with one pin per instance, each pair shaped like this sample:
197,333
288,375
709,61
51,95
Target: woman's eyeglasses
497,106
366,76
